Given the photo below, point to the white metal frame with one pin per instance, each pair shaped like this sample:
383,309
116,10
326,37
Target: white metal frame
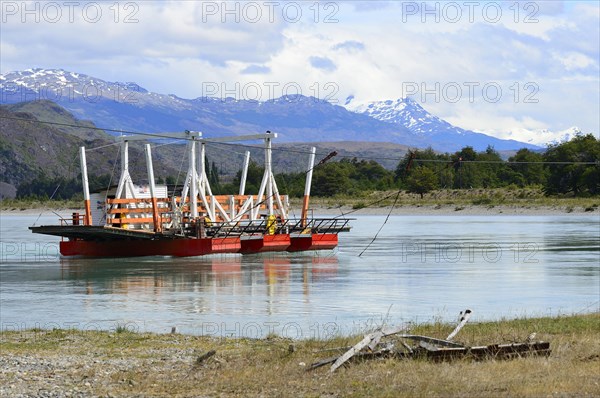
197,187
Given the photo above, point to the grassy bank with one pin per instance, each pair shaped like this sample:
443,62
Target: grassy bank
529,198
121,363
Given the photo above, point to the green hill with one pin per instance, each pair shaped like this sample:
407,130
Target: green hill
30,149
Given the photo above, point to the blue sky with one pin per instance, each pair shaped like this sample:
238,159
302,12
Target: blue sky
511,69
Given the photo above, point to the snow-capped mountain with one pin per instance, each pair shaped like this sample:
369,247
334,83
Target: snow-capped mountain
408,113
297,118
561,136
59,85
542,137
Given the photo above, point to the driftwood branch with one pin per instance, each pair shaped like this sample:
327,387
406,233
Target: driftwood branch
464,318
352,351
205,356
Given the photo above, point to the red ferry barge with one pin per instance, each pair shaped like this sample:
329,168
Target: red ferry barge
130,220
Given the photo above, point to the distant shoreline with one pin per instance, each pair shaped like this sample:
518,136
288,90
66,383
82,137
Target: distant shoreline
401,210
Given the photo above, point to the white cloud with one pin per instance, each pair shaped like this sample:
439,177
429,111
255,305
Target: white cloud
574,60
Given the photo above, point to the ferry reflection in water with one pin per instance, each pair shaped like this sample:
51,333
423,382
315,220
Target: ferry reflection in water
225,274
210,295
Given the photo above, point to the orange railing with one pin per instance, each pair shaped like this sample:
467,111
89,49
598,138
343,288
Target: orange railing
119,214
76,219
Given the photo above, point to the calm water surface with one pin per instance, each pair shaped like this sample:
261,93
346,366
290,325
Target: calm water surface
420,268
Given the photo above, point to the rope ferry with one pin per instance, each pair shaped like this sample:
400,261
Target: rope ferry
132,220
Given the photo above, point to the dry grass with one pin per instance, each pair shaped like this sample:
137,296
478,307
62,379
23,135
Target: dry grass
130,364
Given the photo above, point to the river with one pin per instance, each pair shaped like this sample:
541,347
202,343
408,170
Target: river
419,269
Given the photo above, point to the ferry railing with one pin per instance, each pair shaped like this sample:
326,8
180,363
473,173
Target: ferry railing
76,219
248,227
321,225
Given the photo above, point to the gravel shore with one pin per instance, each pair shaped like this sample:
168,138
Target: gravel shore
86,365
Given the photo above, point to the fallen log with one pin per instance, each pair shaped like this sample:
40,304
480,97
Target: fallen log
493,351
432,348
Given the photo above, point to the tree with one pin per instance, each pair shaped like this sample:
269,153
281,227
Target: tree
44,187
467,153
331,179
291,184
213,177
421,180
438,163
531,171
411,159
493,171
573,175
369,175
253,180
467,174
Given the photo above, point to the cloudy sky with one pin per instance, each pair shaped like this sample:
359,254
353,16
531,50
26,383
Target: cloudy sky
510,69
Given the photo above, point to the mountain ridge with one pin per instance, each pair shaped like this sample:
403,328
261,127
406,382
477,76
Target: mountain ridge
296,118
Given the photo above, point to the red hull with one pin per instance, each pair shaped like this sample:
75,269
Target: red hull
139,248
266,243
313,242
197,247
